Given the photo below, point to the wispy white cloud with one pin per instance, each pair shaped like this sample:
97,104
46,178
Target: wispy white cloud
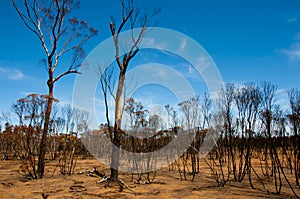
12,74
293,52
203,62
151,42
183,45
16,75
292,20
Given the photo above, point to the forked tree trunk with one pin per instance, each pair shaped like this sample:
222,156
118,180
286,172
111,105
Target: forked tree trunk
47,21
129,16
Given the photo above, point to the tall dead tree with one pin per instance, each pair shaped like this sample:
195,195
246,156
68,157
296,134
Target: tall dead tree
266,114
227,100
294,119
172,116
248,102
59,34
190,113
125,51
205,108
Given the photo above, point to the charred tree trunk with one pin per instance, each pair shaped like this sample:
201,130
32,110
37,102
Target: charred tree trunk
42,148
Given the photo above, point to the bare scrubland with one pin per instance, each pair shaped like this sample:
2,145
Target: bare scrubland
167,184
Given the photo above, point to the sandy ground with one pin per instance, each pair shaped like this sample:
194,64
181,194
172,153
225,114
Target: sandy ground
167,184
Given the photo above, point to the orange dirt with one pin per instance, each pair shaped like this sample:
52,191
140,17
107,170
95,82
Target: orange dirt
167,184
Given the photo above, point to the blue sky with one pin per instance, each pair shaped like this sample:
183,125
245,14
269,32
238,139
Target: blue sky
250,41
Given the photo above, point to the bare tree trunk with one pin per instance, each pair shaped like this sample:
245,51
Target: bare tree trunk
117,128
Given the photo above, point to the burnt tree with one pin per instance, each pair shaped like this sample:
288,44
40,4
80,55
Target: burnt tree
59,34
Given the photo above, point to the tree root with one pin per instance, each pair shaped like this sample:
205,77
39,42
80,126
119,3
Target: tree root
108,183
107,180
